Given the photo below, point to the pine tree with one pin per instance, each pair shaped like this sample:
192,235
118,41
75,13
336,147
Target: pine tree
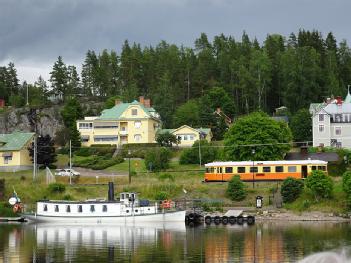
59,78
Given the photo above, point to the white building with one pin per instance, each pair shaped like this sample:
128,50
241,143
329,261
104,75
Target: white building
331,123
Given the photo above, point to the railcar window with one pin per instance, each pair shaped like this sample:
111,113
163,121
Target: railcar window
241,170
68,209
253,169
279,169
314,167
266,169
104,208
323,168
80,209
56,208
45,208
92,208
292,169
219,170
207,170
229,170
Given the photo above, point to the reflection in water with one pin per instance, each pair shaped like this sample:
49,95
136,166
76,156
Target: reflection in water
263,242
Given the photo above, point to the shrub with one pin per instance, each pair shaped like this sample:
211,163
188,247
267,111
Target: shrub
6,210
161,196
236,189
2,188
67,197
97,162
56,188
157,159
85,151
291,189
320,184
346,182
191,155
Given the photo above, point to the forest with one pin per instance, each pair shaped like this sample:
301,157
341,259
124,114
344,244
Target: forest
187,84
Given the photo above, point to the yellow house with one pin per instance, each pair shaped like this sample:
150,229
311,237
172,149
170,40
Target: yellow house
135,122
187,135
14,154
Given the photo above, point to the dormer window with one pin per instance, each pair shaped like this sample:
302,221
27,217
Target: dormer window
134,112
321,117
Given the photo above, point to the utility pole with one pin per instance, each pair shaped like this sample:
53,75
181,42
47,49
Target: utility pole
200,150
70,162
35,157
27,96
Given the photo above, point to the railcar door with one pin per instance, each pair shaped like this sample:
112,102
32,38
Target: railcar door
303,171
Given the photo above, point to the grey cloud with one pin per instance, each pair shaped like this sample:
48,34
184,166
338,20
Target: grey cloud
38,31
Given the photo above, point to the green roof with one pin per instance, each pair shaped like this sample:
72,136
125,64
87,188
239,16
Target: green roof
115,112
15,141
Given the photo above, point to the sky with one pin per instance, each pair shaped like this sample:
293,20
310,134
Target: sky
33,33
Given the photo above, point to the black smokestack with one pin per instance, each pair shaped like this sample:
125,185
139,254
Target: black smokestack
111,191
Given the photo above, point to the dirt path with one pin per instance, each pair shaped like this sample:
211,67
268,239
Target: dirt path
92,173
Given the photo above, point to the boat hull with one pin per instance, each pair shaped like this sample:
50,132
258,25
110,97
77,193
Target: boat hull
178,216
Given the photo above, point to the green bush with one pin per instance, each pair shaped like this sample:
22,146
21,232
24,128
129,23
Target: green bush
97,162
2,188
346,182
161,196
320,184
291,189
236,189
57,188
85,151
191,155
6,210
157,159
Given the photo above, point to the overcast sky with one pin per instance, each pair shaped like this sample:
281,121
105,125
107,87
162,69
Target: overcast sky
33,33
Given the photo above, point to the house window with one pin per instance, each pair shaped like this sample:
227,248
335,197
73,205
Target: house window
267,169
134,112
80,209
338,117
137,137
292,169
337,130
191,137
104,208
229,170
83,125
321,117
137,124
321,128
279,169
338,145
7,159
241,170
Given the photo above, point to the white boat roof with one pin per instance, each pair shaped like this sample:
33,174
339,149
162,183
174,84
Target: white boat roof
246,163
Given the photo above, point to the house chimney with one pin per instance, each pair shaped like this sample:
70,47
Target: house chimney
338,100
141,100
147,103
117,101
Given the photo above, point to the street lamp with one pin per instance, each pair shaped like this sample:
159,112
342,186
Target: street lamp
253,168
129,175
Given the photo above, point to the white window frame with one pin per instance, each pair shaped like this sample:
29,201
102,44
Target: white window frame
321,117
137,137
85,125
137,124
134,112
7,159
321,127
337,130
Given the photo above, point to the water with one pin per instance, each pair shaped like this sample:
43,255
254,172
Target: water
263,242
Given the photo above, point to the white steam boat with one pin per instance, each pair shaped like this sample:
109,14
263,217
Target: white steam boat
128,210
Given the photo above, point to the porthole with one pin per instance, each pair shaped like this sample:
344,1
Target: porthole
136,210
127,211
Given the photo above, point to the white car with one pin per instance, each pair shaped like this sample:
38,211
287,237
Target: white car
66,172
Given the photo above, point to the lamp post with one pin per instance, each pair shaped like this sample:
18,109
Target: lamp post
129,175
253,168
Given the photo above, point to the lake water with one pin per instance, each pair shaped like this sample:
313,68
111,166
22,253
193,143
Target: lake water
263,242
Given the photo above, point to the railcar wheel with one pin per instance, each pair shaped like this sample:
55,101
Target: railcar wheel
232,220
224,220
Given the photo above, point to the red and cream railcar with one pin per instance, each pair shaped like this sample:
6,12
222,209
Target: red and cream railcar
262,170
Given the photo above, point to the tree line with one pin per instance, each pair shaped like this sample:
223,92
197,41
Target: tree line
241,76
